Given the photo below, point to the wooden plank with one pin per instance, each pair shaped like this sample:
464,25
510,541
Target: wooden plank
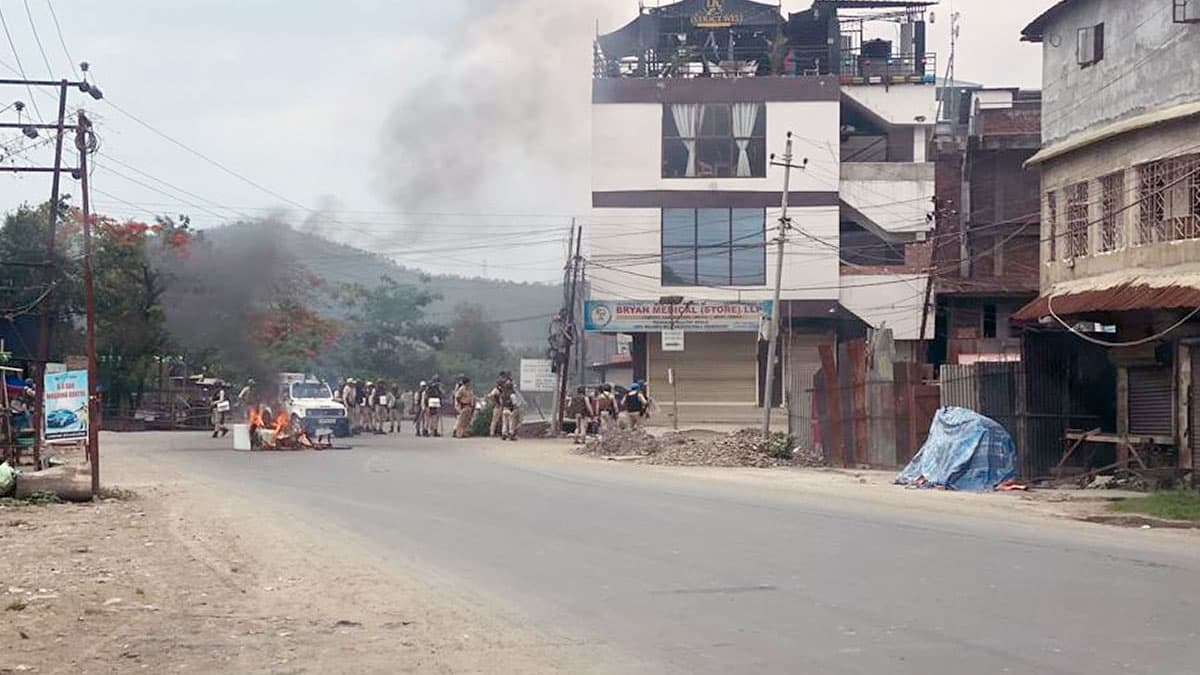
833,406
857,351
1070,451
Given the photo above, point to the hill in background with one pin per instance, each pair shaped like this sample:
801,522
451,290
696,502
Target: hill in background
522,309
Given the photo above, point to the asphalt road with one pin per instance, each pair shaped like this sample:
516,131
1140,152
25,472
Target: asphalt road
688,575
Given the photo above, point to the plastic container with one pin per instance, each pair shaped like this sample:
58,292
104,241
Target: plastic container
241,436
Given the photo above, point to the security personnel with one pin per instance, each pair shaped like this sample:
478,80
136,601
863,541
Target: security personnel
579,408
220,410
464,403
433,407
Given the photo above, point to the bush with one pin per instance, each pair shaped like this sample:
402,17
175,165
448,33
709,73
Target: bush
481,424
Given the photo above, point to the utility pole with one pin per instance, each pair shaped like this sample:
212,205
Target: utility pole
44,323
565,367
84,143
44,320
785,224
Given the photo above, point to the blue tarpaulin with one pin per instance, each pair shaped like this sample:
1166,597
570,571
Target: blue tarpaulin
965,451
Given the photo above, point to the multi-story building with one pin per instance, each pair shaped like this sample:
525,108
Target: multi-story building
986,241
690,102
1120,240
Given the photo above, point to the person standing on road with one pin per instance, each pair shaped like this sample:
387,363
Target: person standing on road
464,403
607,408
636,405
508,412
220,410
419,407
496,397
433,407
579,408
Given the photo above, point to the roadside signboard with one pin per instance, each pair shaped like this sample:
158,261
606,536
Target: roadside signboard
693,316
672,340
537,375
65,414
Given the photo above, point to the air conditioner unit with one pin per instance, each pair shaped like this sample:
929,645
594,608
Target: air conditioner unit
1187,11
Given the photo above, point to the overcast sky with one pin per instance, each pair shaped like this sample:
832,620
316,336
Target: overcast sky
431,131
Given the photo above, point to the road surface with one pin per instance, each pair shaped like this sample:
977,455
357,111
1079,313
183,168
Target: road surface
687,575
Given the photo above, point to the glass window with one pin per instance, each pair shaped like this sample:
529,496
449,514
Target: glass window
679,267
714,140
679,227
712,227
714,247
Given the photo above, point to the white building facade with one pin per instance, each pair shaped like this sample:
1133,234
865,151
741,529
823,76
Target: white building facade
690,101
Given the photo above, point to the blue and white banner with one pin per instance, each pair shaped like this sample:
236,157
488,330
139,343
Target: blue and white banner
692,316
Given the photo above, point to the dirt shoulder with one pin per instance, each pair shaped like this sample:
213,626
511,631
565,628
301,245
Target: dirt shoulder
192,577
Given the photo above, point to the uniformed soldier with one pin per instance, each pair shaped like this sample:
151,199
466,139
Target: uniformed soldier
419,408
433,407
220,410
464,403
579,408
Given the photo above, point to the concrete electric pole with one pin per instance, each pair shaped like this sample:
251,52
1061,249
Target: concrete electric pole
773,329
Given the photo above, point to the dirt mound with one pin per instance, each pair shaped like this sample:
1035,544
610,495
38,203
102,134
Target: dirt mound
622,443
745,448
740,448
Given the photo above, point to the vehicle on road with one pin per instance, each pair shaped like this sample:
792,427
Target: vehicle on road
311,406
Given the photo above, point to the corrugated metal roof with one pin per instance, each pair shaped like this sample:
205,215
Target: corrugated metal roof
1120,292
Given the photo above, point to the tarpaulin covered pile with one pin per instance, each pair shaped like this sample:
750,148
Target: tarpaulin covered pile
965,451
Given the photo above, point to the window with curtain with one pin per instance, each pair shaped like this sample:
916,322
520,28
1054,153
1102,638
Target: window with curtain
714,140
714,247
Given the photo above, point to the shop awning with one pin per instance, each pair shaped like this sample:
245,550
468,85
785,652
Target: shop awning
1125,291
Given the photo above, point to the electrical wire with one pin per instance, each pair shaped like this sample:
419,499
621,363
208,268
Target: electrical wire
37,38
20,67
1104,343
61,41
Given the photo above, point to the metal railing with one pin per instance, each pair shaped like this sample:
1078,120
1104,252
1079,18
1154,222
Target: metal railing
796,61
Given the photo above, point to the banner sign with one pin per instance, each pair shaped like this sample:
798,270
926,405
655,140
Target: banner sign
536,375
65,414
693,316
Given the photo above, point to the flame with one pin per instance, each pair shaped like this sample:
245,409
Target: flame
281,423
255,418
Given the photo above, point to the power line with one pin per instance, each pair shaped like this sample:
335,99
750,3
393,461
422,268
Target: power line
20,66
37,38
61,41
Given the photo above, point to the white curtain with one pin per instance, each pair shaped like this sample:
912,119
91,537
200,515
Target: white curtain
687,121
745,115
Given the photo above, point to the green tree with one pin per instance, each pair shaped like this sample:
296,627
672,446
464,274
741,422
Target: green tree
473,334
131,335
386,333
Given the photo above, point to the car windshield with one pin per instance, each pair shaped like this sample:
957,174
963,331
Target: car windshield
310,390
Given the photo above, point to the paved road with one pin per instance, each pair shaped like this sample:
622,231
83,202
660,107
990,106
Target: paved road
697,576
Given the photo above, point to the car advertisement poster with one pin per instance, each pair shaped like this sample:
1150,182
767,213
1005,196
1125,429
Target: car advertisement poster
65,414
692,316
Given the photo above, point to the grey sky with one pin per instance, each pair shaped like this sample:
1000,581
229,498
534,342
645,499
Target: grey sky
321,102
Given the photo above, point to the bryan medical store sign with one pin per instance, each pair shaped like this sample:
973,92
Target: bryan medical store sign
692,316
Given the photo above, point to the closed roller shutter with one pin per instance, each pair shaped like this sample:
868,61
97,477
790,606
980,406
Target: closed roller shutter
713,368
1151,405
801,365
1194,407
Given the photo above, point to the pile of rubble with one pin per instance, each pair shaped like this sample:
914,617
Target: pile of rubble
622,443
745,448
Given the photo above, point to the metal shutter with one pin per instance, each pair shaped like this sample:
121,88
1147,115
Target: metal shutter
1151,404
713,368
1194,407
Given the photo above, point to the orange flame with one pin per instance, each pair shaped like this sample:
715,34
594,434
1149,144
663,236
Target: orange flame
281,423
256,418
